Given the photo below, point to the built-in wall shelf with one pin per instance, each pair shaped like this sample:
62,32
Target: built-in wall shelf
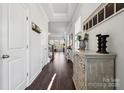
103,13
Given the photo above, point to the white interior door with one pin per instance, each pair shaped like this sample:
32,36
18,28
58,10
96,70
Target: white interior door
15,42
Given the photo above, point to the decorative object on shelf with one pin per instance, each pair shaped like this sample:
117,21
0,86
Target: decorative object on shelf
102,43
36,28
83,40
99,43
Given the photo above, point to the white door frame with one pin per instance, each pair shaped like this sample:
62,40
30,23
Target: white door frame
28,44
5,67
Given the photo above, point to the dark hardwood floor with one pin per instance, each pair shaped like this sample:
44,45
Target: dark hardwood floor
63,79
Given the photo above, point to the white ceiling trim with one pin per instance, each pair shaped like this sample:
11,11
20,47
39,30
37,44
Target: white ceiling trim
59,17
59,21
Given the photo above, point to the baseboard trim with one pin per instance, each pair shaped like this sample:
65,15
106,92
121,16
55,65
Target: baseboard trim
34,77
21,86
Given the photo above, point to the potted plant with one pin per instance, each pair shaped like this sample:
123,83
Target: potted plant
79,37
86,36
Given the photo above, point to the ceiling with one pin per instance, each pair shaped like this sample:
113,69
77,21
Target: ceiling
57,30
59,8
59,14
57,27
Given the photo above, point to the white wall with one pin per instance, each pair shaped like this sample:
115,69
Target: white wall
0,29
115,28
38,42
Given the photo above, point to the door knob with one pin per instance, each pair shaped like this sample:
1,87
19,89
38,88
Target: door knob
5,56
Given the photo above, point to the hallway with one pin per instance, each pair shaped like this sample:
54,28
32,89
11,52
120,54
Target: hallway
63,79
36,40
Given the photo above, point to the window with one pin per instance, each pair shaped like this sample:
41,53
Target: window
119,6
94,20
90,23
101,15
87,26
84,27
109,10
